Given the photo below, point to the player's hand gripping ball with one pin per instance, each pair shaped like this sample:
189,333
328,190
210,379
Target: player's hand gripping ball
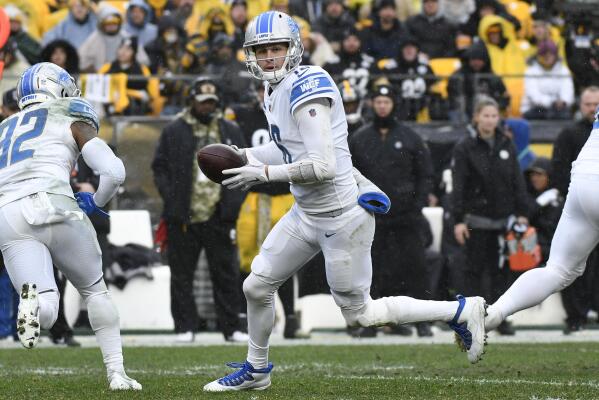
215,158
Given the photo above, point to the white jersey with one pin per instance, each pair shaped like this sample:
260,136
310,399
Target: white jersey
37,148
303,84
587,161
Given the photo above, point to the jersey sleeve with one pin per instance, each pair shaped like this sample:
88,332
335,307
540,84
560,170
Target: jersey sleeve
311,84
80,110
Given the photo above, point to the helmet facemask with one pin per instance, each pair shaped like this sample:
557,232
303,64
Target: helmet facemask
292,60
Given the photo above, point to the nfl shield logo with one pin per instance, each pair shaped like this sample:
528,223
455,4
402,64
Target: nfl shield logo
312,112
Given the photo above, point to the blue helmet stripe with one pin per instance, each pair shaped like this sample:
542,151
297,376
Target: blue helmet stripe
270,19
262,24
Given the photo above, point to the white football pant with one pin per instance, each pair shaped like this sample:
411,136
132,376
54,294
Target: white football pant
345,242
577,234
44,229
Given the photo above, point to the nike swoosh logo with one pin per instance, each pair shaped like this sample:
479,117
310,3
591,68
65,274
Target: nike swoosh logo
329,234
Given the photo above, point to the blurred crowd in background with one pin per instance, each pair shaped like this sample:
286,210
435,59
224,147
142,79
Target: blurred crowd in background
484,67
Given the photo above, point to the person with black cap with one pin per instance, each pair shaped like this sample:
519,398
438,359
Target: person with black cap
199,213
412,78
10,104
398,162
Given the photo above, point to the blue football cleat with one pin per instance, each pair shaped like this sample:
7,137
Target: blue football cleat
469,326
246,378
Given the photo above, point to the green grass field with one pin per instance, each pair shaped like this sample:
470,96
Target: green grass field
509,371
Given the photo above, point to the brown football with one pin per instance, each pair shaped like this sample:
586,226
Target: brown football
215,158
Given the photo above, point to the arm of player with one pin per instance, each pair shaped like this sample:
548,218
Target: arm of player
101,160
314,121
370,196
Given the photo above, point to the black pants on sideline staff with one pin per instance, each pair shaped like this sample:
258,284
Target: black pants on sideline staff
185,243
398,262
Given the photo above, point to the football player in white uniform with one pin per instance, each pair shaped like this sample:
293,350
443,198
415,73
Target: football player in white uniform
577,234
309,149
43,223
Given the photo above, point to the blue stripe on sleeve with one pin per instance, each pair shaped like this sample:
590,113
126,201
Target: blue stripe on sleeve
312,95
303,78
307,86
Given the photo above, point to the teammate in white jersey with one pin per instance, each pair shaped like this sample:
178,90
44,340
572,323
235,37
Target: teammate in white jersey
309,149
43,223
577,234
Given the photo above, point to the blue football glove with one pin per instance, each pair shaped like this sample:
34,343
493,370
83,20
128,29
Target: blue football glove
376,202
86,202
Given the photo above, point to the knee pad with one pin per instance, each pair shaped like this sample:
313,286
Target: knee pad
256,290
48,303
100,308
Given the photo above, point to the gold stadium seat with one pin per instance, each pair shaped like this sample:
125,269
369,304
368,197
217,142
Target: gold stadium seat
443,68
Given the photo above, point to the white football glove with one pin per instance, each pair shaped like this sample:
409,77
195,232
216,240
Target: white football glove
241,152
550,196
245,177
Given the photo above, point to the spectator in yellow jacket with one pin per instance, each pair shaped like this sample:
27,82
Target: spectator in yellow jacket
507,57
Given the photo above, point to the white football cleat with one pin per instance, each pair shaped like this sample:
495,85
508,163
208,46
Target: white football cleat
28,316
118,380
246,378
185,337
470,332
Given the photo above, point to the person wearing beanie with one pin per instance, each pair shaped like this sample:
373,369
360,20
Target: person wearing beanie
548,86
412,78
475,76
398,162
352,63
102,45
334,22
437,37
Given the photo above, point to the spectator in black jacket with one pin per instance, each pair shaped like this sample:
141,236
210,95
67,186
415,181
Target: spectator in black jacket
434,33
383,38
352,64
577,297
545,203
475,77
395,159
333,23
570,140
483,8
488,188
199,213
412,78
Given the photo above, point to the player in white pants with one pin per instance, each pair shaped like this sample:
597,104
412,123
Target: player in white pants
309,149
43,223
577,234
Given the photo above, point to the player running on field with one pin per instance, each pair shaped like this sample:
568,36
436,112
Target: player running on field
577,234
309,149
43,223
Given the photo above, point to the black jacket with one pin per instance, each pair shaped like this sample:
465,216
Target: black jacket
435,36
565,150
399,165
172,165
487,181
465,84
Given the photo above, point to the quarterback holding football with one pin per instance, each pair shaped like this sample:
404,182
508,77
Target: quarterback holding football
334,209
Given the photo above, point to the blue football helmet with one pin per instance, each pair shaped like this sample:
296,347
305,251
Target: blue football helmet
273,27
45,81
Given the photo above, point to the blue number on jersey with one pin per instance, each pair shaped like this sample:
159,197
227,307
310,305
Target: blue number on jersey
8,129
275,135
